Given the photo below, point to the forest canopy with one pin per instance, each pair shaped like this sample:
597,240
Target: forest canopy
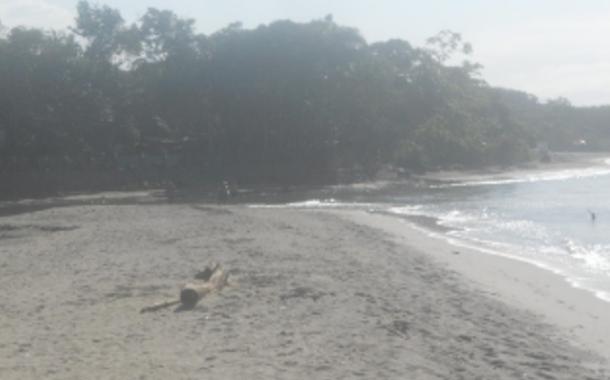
109,103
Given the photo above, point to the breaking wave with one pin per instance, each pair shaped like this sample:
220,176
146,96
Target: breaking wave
559,175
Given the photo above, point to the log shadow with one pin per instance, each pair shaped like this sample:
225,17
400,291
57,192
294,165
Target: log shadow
182,308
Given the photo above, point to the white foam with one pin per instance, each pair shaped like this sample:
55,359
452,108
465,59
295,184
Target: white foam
595,258
456,218
363,186
407,210
314,204
560,175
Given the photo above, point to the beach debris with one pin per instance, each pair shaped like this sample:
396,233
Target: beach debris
212,279
216,280
159,306
205,274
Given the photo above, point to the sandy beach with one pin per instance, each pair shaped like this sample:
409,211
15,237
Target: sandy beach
314,294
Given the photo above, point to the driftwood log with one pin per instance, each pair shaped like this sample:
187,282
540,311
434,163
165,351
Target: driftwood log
193,292
212,279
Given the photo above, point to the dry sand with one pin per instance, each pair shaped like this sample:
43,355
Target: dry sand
315,295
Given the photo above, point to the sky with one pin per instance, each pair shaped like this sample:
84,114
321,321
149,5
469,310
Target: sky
549,48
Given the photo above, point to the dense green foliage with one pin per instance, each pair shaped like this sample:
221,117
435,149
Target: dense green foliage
116,104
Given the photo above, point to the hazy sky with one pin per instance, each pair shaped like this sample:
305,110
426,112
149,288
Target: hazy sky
549,48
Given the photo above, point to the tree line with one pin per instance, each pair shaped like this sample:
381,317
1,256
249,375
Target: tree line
109,104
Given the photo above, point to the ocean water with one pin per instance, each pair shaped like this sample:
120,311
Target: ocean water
543,218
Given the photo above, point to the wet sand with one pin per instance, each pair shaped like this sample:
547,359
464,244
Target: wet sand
314,294
581,315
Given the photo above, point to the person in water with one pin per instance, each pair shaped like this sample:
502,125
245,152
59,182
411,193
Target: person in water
593,216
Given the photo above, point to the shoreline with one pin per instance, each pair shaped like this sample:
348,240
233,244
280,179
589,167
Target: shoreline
517,282
206,190
562,162
430,226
